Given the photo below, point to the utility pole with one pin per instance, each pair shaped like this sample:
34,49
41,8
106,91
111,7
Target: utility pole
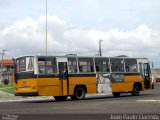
100,49
46,31
3,52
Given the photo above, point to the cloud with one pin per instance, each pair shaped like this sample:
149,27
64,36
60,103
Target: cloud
27,36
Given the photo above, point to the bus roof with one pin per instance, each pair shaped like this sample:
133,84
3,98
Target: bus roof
76,56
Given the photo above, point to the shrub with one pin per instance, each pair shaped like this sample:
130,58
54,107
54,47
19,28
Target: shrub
6,81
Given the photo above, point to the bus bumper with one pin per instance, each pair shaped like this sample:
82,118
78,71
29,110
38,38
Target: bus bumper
27,94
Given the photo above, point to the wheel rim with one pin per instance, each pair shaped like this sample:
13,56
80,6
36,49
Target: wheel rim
79,93
136,90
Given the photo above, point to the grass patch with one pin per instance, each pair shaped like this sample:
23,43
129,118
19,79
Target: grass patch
4,86
7,88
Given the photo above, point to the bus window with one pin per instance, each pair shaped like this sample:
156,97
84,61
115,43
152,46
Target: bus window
72,65
24,64
131,65
54,65
18,67
49,68
140,68
47,65
102,64
29,63
117,65
41,65
86,65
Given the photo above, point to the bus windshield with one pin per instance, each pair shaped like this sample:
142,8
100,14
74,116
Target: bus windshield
24,64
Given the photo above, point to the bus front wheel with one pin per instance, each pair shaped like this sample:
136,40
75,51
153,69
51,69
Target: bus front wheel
79,93
60,98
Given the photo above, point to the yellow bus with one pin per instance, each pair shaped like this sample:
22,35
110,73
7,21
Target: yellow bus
76,76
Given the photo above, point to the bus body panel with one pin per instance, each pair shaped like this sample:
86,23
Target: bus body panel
53,87
121,87
88,82
49,87
129,81
26,86
133,78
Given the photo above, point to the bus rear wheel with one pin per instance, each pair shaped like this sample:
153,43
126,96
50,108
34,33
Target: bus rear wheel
79,93
116,94
60,98
136,90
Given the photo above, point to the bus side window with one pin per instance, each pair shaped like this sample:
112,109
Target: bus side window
92,69
49,68
85,69
41,65
86,65
140,68
117,65
54,65
47,65
97,69
131,65
102,64
127,68
72,65
80,68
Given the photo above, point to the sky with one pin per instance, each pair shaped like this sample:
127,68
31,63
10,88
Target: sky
127,27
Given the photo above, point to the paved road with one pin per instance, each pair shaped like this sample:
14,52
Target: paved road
147,102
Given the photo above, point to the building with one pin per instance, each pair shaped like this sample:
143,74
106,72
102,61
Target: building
7,70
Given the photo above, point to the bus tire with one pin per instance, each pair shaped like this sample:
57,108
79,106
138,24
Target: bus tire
79,93
136,90
116,94
60,98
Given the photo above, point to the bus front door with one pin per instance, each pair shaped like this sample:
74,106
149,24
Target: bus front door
147,76
63,77
145,72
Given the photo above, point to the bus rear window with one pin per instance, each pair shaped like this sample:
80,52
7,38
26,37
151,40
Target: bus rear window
21,64
24,64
